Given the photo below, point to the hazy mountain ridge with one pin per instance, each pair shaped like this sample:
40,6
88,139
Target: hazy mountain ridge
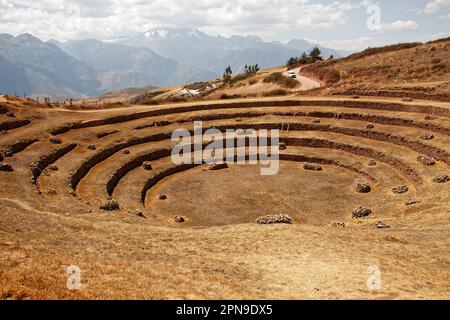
138,66
158,57
40,68
37,68
214,53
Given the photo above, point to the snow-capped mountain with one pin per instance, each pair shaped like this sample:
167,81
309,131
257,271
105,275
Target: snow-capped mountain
215,53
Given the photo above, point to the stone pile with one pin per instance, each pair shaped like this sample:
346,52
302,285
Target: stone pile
361,212
274,219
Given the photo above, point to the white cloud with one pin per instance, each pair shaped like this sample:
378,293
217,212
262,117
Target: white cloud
435,5
64,19
400,25
350,44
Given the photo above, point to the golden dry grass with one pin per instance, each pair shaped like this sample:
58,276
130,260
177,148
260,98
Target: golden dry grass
220,253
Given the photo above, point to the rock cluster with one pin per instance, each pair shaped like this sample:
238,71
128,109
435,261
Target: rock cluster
426,160
217,166
162,123
362,186
361,212
410,202
381,225
427,136
337,225
312,167
441,179
56,140
147,165
110,205
9,152
4,167
274,219
400,190
139,213
179,219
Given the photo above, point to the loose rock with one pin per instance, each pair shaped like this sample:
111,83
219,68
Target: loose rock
179,219
126,151
110,205
56,140
427,136
410,202
4,167
370,126
362,186
312,167
9,152
140,214
336,225
275,219
441,179
381,225
361,212
426,160
400,190
162,197
147,165
217,166
92,147
283,146
162,123
372,163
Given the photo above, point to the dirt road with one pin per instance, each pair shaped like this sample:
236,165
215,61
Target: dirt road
307,83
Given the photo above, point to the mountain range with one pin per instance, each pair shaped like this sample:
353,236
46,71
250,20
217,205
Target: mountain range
158,57
215,53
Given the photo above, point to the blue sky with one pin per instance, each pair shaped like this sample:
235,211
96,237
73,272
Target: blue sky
341,24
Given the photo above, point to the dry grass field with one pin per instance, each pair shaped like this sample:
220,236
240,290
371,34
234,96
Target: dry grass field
414,70
59,166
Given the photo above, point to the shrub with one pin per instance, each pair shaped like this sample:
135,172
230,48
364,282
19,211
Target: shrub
228,97
278,78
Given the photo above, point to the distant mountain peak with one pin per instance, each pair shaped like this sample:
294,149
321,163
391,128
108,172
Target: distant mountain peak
156,34
28,37
169,32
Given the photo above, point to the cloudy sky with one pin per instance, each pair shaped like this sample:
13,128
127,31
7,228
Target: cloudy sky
342,24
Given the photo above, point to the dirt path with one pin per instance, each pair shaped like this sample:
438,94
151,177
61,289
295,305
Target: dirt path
307,83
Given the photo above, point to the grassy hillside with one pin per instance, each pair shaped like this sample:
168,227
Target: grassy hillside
405,70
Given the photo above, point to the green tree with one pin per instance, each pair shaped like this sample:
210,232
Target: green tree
315,54
228,74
